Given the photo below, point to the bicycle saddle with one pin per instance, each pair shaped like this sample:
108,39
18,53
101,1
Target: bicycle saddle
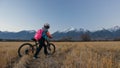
33,39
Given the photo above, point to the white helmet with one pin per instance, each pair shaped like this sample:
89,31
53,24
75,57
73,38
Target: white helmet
46,25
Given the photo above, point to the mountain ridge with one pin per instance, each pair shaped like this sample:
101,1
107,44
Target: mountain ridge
69,33
103,34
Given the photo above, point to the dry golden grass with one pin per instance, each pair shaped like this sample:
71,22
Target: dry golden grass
68,55
8,54
81,55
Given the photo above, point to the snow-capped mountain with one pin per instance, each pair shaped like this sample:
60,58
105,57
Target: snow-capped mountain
74,34
67,30
70,29
115,28
69,33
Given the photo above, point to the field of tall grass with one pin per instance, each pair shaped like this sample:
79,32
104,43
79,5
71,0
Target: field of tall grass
8,54
68,55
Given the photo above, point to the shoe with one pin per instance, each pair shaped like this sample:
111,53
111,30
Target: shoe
34,57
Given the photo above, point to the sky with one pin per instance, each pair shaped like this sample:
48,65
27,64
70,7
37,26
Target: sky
17,15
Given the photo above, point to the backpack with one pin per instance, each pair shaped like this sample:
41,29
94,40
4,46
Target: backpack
38,34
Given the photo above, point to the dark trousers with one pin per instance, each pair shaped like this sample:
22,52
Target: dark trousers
41,44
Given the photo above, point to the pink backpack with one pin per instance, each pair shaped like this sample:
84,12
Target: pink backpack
38,34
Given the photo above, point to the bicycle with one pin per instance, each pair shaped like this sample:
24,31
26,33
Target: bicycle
28,48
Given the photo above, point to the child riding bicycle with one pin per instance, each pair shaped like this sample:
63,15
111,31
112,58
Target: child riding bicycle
42,35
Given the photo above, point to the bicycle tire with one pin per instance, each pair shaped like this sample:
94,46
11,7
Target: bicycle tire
22,47
51,49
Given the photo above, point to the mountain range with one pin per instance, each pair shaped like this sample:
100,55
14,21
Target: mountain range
75,34
21,35
69,33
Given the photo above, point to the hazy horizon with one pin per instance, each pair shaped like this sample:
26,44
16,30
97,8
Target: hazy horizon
70,28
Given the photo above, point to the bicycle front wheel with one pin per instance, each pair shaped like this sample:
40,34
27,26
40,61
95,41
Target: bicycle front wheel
51,49
25,49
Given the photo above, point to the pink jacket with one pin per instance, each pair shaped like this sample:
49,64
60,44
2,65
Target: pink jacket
38,34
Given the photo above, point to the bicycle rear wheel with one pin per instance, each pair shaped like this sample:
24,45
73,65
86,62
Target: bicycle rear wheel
51,49
25,49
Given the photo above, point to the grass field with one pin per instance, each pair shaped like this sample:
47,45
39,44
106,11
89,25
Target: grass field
68,55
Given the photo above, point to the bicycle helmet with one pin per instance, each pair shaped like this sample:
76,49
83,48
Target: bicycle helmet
46,25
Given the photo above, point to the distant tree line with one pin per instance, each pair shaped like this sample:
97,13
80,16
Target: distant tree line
85,37
2,40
